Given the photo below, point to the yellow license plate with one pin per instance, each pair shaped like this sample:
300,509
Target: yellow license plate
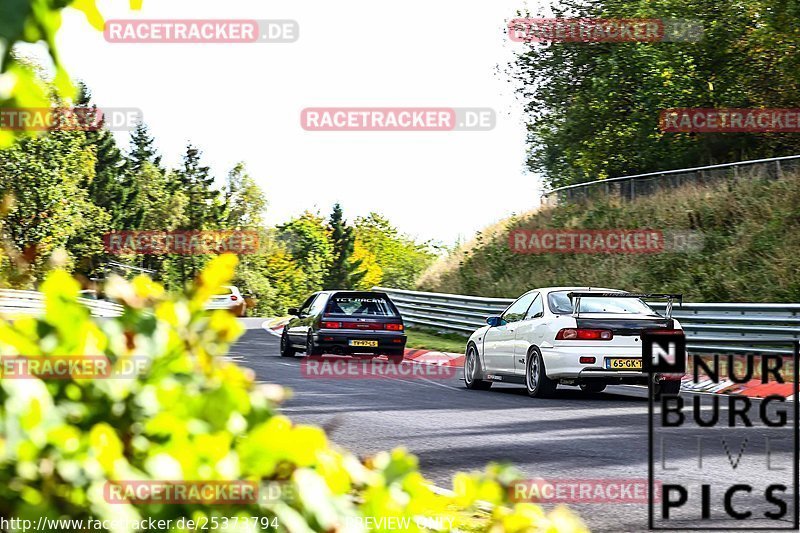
624,364
371,344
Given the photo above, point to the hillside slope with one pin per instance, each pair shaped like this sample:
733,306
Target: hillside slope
751,247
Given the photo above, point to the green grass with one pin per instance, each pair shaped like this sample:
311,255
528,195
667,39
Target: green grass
432,340
751,232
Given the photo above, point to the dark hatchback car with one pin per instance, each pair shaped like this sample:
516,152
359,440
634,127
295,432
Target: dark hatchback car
345,323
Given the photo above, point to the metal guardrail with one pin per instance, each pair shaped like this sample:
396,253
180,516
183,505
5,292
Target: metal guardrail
17,303
708,325
630,187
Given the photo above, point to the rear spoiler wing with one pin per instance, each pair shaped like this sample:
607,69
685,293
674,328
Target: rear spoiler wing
640,295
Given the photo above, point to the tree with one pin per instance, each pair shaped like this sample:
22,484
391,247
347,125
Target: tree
142,150
111,188
308,244
244,201
594,107
42,180
344,272
204,210
400,259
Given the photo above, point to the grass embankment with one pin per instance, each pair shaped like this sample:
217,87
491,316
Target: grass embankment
750,253
432,340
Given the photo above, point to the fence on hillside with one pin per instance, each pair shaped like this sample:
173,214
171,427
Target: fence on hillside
631,187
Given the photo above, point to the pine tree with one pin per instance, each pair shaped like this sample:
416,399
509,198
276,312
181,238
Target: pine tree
111,187
204,209
142,150
344,272
195,180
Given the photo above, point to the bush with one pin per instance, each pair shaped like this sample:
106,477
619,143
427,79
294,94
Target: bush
191,415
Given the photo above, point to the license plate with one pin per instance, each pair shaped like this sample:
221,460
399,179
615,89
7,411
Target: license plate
371,344
624,364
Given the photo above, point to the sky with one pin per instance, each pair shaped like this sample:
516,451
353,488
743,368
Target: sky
242,102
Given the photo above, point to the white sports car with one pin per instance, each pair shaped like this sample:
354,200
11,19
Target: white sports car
570,335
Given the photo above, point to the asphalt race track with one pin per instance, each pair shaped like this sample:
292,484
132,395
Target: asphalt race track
574,435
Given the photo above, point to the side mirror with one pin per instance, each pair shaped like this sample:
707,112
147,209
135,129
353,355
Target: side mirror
495,321
294,311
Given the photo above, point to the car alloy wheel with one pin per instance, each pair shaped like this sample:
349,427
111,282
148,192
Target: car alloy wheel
470,366
310,348
472,369
286,348
532,375
537,383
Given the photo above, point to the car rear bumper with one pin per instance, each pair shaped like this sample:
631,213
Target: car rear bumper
564,363
389,343
613,376
221,305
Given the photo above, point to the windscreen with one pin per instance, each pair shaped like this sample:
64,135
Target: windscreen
360,304
224,292
561,304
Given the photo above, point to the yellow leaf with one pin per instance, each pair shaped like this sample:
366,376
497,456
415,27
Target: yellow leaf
106,445
89,8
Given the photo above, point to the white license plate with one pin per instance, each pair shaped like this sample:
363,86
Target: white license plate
370,344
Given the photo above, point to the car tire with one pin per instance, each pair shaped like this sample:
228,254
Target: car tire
472,369
671,387
537,383
593,387
287,350
396,359
311,349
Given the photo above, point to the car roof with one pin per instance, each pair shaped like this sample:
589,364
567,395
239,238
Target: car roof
350,290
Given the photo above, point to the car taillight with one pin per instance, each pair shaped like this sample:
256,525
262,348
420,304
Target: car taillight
234,297
331,325
666,332
580,334
393,327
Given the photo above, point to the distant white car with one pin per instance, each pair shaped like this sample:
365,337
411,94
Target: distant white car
581,336
230,299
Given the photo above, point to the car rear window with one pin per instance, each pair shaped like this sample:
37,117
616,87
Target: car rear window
560,304
345,304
